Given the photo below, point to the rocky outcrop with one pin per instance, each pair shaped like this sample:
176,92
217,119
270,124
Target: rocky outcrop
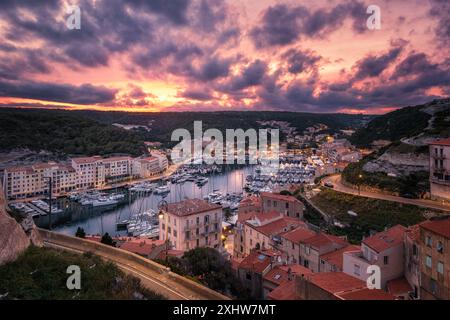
13,239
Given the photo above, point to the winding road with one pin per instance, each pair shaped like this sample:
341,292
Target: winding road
336,180
152,275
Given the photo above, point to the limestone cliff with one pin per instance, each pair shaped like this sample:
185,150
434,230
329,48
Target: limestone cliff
13,239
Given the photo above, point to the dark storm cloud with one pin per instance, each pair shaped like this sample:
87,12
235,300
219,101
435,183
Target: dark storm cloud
14,65
415,63
300,60
440,10
284,24
197,94
83,94
214,68
251,76
374,65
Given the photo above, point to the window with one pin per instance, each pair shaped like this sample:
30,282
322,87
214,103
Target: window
175,233
248,276
274,203
307,250
386,260
357,270
428,262
440,247
429,241
414,250
287,205
440,267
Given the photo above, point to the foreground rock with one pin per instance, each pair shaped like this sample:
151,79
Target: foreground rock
13,239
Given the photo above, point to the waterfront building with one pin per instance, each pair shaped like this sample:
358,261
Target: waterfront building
440,169
191,224
32,181
90,172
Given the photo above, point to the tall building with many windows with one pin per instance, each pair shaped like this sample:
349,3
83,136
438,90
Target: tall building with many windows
440,169
190,224
435,259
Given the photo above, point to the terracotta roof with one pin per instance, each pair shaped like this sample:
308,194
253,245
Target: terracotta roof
276,275
398,286
83,160
112,159
285,291
386,239
27,169
335,282
336,258
322,239
280,197
298,234
242,217
440,226
258,260
441,142
366,294
191,206
413,232
250,201
148,159
278,226
141,246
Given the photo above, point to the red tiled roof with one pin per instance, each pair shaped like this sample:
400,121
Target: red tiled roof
112,159
386,239
335,282
298,234
191,206
366,294
440,226
278,196
337,257
285,291
398,286
276,275
142,247
257,261
441,142
278,226
83,160
322,239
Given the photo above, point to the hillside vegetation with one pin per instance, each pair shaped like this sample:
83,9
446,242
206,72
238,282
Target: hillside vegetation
40,274
373,214
64,132
392,126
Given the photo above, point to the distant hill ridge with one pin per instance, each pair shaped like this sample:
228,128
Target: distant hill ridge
428,120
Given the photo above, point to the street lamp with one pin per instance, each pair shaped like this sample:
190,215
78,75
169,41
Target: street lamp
359,184
50,191
163,208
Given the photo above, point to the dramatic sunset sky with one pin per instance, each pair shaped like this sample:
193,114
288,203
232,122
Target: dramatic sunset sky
208,55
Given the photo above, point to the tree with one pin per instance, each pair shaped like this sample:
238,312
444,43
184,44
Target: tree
80,233
106,239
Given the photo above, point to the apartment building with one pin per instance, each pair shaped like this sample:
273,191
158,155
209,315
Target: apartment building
288,205
192,223
90,171
291,243
435,259
384,249
311,249
254,267
264,230
32,181
411,242
117,168
162,158
440,169
146,167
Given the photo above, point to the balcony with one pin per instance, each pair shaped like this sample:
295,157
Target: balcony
440,181
438,156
